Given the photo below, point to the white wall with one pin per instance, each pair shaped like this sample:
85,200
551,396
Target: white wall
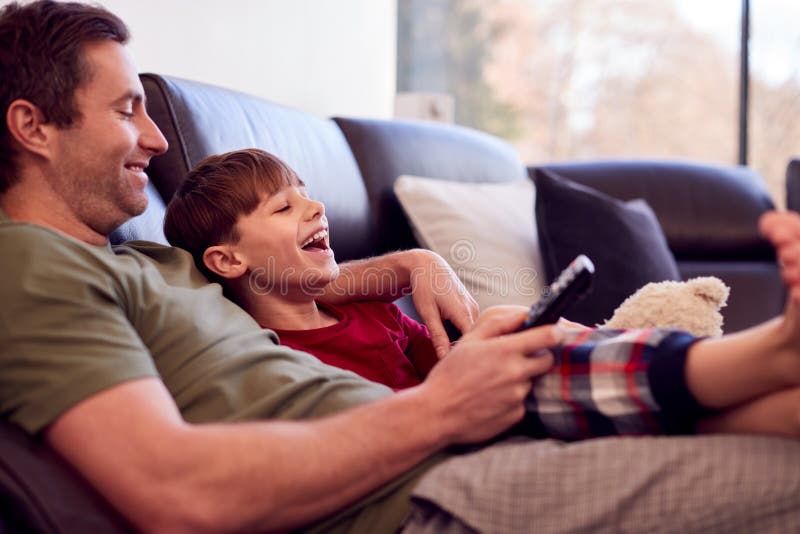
326,57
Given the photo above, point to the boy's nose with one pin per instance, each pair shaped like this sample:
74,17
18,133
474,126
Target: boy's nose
315,209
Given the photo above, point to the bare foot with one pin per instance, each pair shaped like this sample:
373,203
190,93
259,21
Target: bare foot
782,228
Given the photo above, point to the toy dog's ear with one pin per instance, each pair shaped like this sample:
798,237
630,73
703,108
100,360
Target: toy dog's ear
710,288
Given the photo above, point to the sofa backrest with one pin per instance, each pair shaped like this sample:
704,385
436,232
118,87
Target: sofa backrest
349,164
199,120
386,149
706,211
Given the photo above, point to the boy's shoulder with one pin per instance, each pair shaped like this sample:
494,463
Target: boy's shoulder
374,309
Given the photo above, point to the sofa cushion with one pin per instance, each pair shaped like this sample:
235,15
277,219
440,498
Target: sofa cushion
386,149
623,239
485,231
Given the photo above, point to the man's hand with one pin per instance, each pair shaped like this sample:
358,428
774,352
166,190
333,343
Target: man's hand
438,294
478,390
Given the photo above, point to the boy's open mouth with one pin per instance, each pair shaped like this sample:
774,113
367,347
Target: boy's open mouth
318,241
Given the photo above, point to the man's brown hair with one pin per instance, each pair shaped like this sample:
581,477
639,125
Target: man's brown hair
220,189
42,61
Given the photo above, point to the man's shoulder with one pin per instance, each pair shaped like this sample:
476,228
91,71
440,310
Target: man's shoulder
157,252
25,243
176,265
37,255
39,261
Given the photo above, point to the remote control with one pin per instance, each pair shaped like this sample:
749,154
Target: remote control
571,285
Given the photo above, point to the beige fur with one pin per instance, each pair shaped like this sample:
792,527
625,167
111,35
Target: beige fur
692,306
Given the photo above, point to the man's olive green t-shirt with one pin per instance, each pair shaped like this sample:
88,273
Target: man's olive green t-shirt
77,319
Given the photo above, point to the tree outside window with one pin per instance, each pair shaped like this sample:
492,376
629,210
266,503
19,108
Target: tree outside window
581,79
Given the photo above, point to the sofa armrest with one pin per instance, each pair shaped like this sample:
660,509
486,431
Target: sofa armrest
39,492
793,184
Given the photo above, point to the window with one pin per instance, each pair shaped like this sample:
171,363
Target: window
580,79
774,115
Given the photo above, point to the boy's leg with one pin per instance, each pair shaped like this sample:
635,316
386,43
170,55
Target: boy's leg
604,383
611,382
776,413
607,382
724,372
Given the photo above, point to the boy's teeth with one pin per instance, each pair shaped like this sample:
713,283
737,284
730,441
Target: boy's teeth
315,237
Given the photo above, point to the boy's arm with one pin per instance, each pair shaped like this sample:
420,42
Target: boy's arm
130,442
437,292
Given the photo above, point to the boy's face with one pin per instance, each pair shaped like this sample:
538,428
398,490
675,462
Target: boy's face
284,242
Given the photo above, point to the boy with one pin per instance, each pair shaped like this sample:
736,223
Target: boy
248,222
267,242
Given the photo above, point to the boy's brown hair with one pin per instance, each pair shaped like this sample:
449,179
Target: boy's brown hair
220,189
42,61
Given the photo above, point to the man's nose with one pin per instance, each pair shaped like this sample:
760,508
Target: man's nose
151,138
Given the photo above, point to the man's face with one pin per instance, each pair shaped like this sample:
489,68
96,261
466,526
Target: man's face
99,162
285,244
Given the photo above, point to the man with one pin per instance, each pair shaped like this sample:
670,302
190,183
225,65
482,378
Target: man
125,337
172,402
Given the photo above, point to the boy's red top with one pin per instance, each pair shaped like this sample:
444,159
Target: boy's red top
373,339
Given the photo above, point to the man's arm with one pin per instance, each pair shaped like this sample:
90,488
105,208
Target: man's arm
131,443
437,292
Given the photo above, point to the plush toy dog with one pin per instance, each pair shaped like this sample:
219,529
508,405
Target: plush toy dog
692,306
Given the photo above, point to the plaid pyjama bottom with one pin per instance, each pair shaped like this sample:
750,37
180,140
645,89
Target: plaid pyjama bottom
614,382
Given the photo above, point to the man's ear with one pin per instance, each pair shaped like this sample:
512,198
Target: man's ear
223,261
27,125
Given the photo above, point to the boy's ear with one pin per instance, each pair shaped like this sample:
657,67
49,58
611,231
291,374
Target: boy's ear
221,260
27,125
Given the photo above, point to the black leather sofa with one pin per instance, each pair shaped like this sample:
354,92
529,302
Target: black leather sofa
708,215
793,185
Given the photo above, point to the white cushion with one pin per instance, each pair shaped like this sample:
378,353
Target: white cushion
485,231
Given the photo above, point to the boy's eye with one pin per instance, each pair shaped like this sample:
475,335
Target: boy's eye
283,208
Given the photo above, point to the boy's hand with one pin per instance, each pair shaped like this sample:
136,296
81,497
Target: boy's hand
438,294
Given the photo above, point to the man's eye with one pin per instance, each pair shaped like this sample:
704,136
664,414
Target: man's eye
126,114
